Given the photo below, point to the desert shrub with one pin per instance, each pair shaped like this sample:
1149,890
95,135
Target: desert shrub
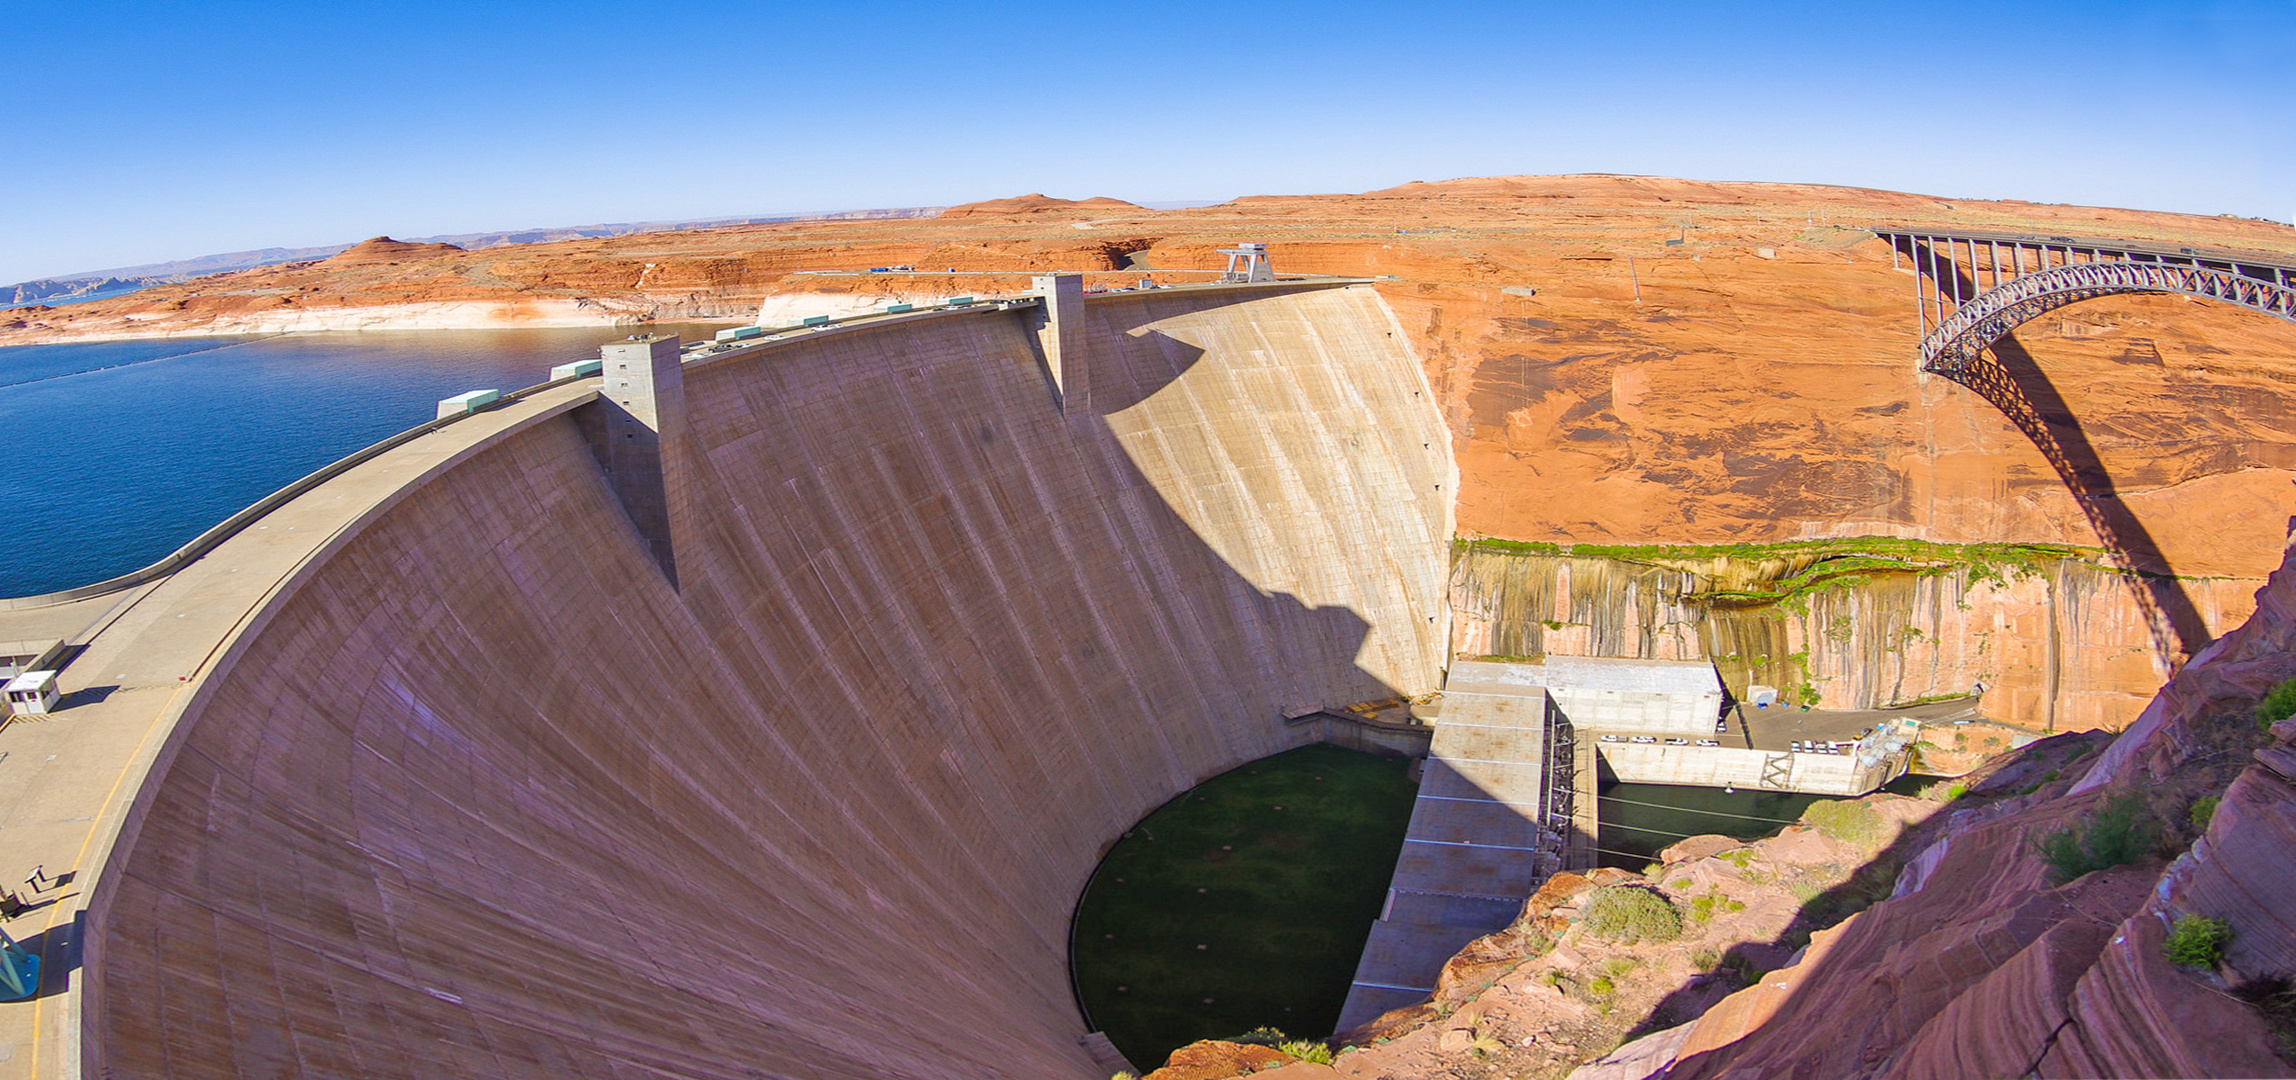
1738,857
1627,914
1705,959
1260,1036
2277,705
1848,820
1306,1050
1601,986
2204,811
2196,941
2115,834
1943,791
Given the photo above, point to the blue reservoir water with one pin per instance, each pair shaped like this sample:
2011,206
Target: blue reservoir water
117,453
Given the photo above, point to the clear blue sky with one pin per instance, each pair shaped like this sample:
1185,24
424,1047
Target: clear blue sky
150,131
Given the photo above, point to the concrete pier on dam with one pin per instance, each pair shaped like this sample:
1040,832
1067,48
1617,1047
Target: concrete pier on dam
464,763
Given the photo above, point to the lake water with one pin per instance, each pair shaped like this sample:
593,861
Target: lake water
117,453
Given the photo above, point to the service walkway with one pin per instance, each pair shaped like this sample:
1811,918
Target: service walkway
1507,800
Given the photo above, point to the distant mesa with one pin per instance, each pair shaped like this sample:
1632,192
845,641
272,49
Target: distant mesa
1035,203
383,249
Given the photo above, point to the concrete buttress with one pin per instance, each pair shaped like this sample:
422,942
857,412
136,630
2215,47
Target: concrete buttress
645,401
1060,336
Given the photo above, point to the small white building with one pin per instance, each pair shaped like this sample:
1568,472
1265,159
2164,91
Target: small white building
467,402
32,694
1633,697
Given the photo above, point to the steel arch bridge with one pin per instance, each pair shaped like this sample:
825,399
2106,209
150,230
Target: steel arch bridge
1972,289
1967,333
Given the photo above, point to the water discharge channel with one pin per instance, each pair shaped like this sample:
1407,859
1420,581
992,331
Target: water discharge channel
1640,820
1241,904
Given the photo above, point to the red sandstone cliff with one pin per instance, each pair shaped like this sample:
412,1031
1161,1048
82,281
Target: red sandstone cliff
1978,966
1978,962
1753,381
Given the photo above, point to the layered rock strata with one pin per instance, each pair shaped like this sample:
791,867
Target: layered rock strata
2054,642
1982,964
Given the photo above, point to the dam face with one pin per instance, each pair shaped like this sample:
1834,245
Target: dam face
476,792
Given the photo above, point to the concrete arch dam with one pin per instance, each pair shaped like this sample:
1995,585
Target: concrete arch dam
458,783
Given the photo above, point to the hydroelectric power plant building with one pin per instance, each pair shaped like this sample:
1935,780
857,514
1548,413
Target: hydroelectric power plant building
1509,794
757,715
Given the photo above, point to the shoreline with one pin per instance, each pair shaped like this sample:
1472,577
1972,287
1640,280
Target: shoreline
421,315
551,314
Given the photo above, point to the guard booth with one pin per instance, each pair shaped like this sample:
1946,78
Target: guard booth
32,694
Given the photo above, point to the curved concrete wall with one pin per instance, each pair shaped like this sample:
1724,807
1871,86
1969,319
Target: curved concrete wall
481,795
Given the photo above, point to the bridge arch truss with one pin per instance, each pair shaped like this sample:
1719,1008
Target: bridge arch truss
1972,289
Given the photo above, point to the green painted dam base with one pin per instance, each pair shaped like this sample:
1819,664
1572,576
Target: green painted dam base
1242,903
1640,820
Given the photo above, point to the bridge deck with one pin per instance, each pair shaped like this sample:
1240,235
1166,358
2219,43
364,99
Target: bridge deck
1971,288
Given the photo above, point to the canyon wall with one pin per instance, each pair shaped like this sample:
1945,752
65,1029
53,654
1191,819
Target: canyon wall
2013,924
478,792
2057,642
1982,963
